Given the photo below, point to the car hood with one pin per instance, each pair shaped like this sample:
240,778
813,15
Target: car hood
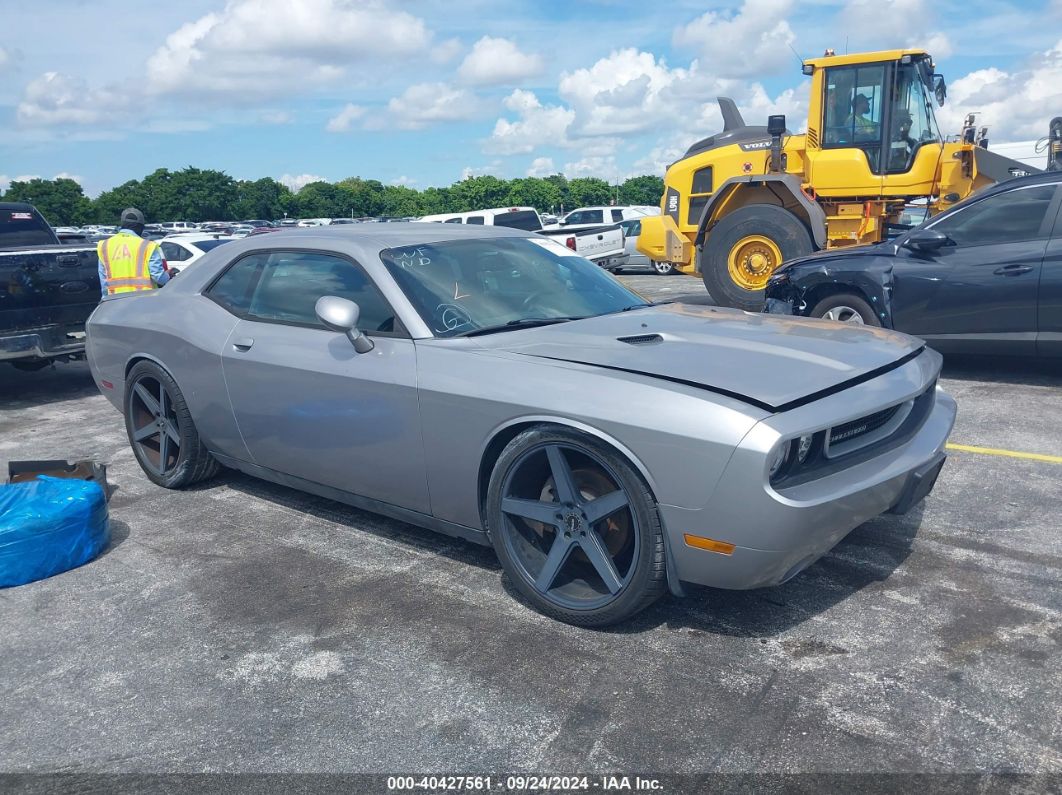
775,363
828,258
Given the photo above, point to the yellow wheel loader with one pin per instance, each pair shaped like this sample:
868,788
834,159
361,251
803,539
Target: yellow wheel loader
740,203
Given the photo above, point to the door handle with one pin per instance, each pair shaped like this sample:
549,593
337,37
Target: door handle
243,344
68,260
1012,270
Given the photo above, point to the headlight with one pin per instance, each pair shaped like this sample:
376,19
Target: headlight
779,458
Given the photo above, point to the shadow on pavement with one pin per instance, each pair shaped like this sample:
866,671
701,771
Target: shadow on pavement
19,390
1004,369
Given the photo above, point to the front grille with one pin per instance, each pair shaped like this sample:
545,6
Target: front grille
864,425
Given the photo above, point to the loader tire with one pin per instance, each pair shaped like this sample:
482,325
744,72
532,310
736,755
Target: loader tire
745,248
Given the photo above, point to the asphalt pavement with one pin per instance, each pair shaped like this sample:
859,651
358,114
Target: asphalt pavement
242,626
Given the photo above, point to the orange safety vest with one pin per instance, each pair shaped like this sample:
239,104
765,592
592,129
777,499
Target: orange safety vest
125,263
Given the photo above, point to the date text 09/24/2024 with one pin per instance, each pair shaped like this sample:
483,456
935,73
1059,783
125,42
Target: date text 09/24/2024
522,783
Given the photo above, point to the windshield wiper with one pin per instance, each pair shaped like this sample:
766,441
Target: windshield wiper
519,323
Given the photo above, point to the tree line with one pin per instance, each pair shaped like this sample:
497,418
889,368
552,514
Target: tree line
193,194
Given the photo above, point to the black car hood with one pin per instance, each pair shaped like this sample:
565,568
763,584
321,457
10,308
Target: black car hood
772,362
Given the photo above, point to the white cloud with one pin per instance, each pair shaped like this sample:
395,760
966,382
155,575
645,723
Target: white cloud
424,104
537,125
260,47
5,58
446,51
602,167
1014,105
298,182
479,171
541,167
498,62
5,180
343,120
277,117
66,175
880,24
55,98
754,41
404,181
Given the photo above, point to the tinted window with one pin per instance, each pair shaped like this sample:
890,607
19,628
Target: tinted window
1005,217
617,215
291,283
207,245
171,252
585,217
233,290
521,219
464,285
24,228
452,221
702,180
632,228
474,219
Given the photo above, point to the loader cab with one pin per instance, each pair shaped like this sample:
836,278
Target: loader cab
872,130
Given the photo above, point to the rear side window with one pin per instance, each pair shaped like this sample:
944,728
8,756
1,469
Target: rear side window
24,228
283,287
475,219
174,253
617,215
1003,218
521,219
207,245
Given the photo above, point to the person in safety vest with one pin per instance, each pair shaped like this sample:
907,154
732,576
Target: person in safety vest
127,261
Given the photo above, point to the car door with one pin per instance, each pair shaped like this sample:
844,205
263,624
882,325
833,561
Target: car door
1049,297
306,403
978,294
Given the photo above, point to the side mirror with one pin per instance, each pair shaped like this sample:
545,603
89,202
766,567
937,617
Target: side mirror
339,314
927,240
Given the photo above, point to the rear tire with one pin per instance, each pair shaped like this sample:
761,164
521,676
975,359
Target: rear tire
846,308
663,268
589,553
161,432
786,238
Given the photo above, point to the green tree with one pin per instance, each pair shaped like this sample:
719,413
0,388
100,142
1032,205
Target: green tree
60,201
535,192
645,189
259,199
321,200
399,200
364,196
589,191
478,193
108,206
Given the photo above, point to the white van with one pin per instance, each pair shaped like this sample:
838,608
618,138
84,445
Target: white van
525,218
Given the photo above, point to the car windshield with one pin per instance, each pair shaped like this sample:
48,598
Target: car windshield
466,286
206,245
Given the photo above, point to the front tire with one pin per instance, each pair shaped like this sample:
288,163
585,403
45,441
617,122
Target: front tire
575,528
161,432
745,248
663,268
846,308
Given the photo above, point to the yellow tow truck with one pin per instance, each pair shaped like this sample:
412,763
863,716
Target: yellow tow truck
741,202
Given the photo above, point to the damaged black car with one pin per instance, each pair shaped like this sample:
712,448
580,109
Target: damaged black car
984,277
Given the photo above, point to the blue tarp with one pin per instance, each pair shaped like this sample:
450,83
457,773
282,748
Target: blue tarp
49,525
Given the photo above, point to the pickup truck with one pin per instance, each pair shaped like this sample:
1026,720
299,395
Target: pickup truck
601,244
47,290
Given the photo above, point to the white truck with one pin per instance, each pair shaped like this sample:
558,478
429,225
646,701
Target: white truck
602,244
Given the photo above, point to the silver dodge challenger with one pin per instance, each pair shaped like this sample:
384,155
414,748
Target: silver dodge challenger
489,384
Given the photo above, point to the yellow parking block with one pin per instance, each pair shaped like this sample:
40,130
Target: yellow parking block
968,448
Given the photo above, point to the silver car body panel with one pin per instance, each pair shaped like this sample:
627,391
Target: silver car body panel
697,403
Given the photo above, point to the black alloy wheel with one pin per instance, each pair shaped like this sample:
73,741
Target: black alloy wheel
576,528
161,431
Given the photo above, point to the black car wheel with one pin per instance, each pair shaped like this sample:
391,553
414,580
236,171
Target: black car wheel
575,527
161,431
846,308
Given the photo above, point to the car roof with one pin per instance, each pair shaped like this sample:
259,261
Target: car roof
1042,178
399,233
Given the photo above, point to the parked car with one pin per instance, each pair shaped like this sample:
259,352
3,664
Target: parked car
182,250
178,226
601,215
983,277
47,290
636,260
242,230
601,244
341,221
339,363
257,223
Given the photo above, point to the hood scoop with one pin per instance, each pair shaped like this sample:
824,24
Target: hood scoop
641,339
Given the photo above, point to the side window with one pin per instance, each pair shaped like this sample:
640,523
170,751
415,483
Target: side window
234,287
452,221
593,217
1003,218
617,215
292,281
474,219
171,252
854,109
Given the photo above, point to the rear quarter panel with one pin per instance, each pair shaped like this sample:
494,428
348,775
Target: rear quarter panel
185,334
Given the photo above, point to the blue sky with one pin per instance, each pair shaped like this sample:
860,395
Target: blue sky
423,93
